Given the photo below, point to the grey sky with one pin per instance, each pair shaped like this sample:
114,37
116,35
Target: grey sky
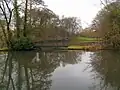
84,9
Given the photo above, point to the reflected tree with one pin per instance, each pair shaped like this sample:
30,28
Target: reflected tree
106,66
19,70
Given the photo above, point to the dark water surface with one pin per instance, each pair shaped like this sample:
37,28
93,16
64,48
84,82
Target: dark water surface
58,70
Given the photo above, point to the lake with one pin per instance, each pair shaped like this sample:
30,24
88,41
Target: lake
60,70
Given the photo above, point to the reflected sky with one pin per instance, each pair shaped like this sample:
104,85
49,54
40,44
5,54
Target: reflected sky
73,77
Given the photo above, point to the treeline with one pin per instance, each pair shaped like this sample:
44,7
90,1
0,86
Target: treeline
107,24
24,21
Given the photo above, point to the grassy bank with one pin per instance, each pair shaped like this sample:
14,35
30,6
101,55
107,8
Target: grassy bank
76,43
84,43
71,47
3,49
90,47
85,38
78,40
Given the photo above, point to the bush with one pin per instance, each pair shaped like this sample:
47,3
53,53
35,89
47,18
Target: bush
22,43
114,41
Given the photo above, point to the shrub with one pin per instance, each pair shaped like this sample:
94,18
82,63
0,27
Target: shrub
23,43
114,41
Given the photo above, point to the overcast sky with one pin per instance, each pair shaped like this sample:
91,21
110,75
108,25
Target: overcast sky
84,9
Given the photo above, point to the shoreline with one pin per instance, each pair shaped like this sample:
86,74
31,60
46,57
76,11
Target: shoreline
71,47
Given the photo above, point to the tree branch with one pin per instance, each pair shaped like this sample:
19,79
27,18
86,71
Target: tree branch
7,6
10,11
3,11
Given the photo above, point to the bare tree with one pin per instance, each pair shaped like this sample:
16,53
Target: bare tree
7,13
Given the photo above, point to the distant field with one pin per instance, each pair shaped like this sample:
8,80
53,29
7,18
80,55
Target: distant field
79,39
84,43
86,39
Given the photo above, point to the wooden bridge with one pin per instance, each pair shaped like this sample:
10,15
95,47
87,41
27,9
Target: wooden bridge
52,43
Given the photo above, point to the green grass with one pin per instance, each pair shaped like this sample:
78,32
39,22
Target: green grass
76,43
79,39
86,39
3,49
77,47
85,47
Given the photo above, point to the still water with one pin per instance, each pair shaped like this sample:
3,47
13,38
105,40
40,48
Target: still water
58,70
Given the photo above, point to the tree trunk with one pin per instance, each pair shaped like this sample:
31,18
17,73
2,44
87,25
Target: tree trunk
30,11
17,18
25,19
9,36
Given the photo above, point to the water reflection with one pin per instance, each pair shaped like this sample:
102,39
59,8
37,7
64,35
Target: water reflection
106,68
32,70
